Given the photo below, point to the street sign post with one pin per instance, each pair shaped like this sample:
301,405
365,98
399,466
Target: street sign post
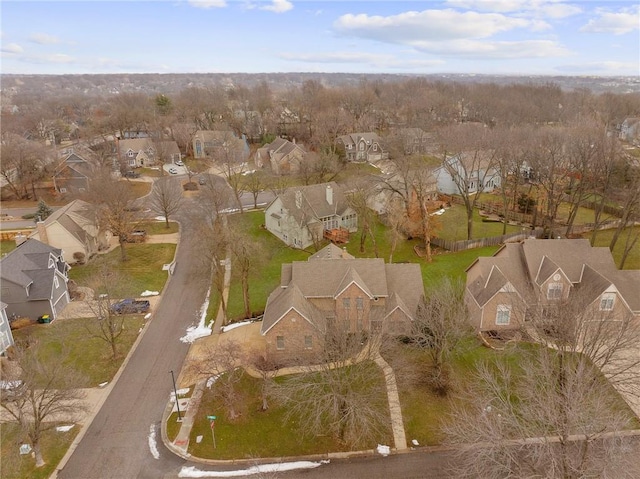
212,420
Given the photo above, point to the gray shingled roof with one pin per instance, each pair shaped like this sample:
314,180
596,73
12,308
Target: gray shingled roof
331,251
325,277
72,217
314,202
21,265
534,260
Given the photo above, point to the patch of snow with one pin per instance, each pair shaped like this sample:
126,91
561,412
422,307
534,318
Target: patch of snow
153,445
6,385
212,380
182,391
101,385
198,439
160,218
438,213
64,428
201,330
415,442
260,469
25,449
229,327
146,293
383,450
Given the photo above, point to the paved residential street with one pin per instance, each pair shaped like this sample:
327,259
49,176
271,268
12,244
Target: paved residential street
116,445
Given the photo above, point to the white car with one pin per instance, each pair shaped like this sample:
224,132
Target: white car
173,171
179,163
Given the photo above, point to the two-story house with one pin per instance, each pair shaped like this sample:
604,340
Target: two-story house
333,293
467,173
283,156
73,228
73,174
504,291
33,280
220,144
301,216
362,147
141,152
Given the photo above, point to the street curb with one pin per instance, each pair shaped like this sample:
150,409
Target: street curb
113,382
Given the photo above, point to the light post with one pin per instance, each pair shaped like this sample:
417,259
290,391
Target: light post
175,392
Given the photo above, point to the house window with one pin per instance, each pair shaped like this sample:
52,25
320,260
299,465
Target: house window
63,190
375,147
346,303
308,342
350,146
503,314
280,342
361,146
55,282
130,154
606,301
554,291
359,304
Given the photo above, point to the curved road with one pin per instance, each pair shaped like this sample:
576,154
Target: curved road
116,445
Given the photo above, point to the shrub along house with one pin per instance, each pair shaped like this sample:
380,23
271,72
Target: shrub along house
333,293
521,280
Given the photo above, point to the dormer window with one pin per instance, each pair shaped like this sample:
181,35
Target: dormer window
607,301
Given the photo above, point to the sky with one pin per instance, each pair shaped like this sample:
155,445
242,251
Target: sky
511,37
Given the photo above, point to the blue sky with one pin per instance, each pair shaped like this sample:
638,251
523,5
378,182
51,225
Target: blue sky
539,37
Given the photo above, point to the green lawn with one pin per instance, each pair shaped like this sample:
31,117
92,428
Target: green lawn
142,271
603,238
453,225
258,433
7,247
15,466
90,356
159,227
265,275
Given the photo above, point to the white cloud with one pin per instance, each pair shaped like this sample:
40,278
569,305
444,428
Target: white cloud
278,6
44,39
494,50
538,8
208,3
617,23
11,48
428,25
602,68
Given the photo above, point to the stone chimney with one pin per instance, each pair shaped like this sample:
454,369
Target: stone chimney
329,194
42,232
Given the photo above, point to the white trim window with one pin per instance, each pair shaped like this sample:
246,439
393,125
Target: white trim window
554,291
308,342
503,314
55,282
280,342
607,300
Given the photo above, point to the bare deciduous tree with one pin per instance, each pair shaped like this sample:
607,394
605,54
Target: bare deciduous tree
106,325
440,326
114,203
40,392
554,413
222,365
166,198
347,401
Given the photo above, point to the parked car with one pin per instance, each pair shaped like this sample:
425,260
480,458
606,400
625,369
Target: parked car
179,163
202,180
173,171
130,306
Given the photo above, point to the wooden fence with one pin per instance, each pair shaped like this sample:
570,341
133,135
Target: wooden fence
482,242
